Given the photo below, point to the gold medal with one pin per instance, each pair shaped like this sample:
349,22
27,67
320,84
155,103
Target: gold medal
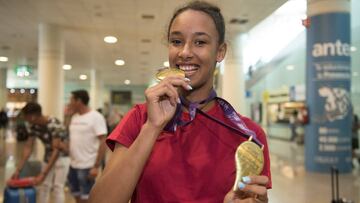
165,72
249,160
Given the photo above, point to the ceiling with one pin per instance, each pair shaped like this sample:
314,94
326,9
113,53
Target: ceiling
85,23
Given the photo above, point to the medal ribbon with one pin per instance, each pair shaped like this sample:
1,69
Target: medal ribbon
229,112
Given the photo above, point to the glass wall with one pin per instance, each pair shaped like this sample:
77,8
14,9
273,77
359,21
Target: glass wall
273,82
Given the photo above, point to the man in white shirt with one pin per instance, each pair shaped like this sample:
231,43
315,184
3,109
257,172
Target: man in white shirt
87,145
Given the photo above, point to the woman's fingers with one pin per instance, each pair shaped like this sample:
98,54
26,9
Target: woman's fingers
177,81
167,88
255,187
240,196
161,92
259,180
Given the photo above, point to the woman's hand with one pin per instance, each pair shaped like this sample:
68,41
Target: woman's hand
252,189
162,99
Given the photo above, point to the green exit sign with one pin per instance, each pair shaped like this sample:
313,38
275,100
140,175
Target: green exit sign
23,70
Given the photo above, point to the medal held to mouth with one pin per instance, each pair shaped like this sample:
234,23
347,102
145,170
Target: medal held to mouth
249,159
166,72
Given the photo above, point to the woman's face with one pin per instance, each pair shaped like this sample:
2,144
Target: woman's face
194,48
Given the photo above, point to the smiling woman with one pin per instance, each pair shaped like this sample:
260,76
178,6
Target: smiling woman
180,145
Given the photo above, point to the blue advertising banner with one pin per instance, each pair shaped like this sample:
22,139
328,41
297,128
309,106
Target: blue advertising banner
328,78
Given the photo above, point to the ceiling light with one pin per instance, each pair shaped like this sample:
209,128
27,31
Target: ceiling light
12,91
110,39
22,91
166,64
119,62
83,77
127,82
3,59
290,67
32,91
353,49
67,67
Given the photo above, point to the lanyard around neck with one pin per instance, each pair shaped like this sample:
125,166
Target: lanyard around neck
228,110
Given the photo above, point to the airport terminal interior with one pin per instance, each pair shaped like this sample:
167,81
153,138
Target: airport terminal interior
301,84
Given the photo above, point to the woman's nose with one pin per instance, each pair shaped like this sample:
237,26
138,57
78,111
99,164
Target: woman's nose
186,51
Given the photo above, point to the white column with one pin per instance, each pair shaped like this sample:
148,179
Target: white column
96,86
3,90
51,75
233,83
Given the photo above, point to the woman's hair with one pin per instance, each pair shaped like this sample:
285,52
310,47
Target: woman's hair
210,9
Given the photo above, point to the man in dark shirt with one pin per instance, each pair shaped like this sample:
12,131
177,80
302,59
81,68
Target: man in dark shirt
56,162
3,119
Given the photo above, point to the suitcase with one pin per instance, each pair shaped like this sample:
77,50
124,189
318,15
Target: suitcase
335,187
20,195
21,182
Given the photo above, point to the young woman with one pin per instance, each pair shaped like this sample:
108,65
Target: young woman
171,149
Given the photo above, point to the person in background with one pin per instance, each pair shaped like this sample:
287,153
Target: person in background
114,118
293,123
87,131
4,120
355,140
170,149
56,161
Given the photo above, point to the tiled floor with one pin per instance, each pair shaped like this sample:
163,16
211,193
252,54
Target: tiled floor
291,183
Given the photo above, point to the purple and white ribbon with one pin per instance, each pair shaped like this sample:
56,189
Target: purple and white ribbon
229,112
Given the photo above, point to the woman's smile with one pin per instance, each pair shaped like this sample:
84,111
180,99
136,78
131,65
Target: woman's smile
189,69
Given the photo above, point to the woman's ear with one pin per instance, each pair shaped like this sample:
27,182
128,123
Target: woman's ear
221,52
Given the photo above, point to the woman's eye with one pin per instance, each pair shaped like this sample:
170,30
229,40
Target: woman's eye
200,42
175,41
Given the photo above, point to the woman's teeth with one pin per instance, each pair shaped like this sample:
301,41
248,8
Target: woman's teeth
188,68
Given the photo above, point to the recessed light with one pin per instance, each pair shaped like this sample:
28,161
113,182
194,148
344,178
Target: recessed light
67,67
353,49
110,39
32,91
290,67
119,62
12,91
166,64
83,77
22,91
3,59
127,82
